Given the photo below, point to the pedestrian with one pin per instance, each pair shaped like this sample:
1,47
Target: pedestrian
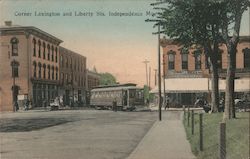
45,104
16,106
115,105
26,105
166,103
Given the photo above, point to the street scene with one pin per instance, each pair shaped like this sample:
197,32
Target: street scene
151,79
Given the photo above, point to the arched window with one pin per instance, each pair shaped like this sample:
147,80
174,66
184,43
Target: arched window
14,46
34,47
171,59
44,50
14,65
56,54
39,48
52,53
44,71
246,55
48,47
39,70
48,71
34,69
197,57
53,71
184,58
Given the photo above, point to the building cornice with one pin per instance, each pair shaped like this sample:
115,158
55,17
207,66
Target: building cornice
27,30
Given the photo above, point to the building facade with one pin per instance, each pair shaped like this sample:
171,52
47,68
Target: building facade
29,66
187,75
72,78
93,80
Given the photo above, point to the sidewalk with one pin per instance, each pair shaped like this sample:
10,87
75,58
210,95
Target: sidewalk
165,140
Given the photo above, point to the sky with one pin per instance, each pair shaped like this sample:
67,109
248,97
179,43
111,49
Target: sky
114,44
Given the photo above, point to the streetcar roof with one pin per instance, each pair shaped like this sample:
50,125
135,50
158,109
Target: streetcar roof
116,85
114,88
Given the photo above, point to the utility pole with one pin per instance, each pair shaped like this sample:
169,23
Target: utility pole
159,70
146,64
163,78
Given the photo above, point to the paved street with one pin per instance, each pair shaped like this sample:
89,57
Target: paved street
76,134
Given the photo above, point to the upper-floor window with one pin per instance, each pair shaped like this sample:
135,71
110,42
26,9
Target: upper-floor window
48,47
171,60
14,65
53,71
14,46
184,59
39,48
44,50
56,54
34,47
246,55
52,53
48,67
197,56
56,73
67,63
71,62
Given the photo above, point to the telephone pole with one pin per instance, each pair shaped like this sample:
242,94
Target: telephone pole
155,76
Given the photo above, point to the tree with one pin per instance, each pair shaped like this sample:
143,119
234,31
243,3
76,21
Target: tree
107,79
194,24
232,15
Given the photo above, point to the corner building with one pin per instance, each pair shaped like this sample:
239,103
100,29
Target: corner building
29,66
187,76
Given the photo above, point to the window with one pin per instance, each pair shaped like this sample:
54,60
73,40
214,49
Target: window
34,69
14,65
39,48
171,60
14,46
197,57
39,70
53,70
246,53
184,58
198,61
48,71
56,54
56,73
52,53
44,71
67,63
34,47
48,57
71,62
44,50
62,78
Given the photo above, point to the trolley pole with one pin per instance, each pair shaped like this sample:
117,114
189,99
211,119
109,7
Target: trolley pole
159,71
146,64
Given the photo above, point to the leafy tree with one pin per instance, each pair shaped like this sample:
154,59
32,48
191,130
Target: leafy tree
194,24
107,79
231,17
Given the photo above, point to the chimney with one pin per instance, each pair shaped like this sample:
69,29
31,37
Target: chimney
8,23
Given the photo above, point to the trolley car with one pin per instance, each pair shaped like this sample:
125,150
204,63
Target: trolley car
127,96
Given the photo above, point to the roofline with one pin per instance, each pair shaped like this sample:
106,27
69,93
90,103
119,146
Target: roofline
25,28
60,47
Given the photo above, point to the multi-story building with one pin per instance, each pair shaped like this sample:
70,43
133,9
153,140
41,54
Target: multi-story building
93,80
29,65
72,77
187,73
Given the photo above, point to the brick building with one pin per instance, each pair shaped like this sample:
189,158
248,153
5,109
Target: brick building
72,77
29,65
93,80
187,71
